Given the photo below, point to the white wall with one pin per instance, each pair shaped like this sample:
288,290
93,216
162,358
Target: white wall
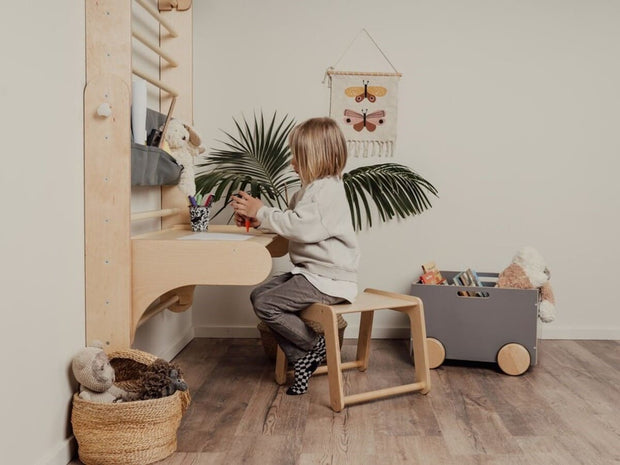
510,108
42,232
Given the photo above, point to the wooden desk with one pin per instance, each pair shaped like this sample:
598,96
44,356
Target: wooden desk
165,271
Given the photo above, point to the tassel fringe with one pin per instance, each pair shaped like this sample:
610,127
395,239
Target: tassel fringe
370,148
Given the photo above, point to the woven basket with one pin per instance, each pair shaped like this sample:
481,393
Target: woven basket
128,433
269,341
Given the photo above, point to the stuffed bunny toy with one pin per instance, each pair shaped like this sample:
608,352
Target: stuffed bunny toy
528,270
185,145
92,369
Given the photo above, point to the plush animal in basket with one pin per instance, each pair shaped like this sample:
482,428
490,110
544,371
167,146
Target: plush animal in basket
92,369
161,379
184,144
528,270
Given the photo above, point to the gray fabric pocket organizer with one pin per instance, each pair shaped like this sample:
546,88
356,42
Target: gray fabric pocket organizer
152,166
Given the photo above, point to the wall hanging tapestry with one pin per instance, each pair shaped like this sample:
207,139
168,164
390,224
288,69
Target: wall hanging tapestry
365,105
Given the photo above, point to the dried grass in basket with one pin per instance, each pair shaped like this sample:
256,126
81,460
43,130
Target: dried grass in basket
128,433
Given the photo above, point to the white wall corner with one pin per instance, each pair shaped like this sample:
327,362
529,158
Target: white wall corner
171,351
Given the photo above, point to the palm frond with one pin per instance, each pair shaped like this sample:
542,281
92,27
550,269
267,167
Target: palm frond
257,156
395,189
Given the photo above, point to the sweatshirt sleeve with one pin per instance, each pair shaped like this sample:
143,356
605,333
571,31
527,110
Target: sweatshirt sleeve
301,224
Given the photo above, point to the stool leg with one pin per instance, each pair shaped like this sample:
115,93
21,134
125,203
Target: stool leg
281,366
420,351
363,340
329,321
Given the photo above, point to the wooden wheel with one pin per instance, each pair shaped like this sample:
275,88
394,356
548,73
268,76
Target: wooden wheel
436,352
513,359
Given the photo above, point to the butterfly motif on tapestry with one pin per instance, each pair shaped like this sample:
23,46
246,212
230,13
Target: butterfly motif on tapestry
363,120
366,92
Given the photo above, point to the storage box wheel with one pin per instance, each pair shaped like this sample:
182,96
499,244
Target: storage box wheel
436,352
513,359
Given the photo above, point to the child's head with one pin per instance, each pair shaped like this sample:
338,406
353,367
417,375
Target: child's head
319,149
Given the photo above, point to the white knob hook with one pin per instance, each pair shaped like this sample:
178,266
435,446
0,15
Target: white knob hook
104,110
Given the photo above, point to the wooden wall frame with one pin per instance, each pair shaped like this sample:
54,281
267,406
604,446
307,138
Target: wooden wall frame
129,279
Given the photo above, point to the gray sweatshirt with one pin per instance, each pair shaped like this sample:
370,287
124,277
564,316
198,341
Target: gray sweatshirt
318,227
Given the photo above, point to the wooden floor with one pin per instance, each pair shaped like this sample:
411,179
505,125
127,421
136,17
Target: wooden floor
564,411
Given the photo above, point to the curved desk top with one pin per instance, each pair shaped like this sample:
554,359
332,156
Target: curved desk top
167,260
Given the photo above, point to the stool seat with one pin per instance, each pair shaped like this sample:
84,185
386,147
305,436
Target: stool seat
366,303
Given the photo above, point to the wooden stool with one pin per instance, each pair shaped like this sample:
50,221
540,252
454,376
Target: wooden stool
366,303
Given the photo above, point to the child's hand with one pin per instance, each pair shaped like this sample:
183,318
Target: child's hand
246,205
240,221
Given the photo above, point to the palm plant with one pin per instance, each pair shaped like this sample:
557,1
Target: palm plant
258,157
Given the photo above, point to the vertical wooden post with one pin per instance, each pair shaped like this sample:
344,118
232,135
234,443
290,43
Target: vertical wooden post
107,176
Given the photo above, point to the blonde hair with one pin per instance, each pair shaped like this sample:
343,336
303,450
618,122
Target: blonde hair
319,149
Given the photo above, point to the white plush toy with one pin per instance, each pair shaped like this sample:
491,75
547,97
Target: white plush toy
184,144
529,271
96,376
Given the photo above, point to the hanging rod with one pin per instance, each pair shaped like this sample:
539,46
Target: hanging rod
332,72
155,214
156,82
155,14
155,48
157,308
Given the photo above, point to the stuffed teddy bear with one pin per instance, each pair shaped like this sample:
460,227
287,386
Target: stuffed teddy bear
161,379
184,144
92,369
529,271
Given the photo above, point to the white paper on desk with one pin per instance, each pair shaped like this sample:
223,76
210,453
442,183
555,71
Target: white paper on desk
207,236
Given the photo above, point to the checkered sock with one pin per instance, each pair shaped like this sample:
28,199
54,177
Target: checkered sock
305,366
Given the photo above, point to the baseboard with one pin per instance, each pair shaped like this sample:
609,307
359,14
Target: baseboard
252,332
62,455
231,332
551,332
168,353
403,332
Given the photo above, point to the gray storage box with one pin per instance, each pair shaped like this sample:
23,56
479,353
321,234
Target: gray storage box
476,328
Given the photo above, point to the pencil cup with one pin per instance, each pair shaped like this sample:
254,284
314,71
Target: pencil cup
199,218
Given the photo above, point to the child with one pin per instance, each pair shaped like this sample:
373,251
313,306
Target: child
322,245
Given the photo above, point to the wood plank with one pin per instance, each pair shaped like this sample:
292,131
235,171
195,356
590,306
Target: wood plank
107,174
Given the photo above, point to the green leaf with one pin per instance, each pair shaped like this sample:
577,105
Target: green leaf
395,189
257,156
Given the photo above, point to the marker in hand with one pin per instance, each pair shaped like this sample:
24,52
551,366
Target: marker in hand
247,220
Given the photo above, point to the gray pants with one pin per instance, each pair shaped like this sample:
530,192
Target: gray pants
277,303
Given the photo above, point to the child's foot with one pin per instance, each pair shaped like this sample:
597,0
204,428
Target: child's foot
305,366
